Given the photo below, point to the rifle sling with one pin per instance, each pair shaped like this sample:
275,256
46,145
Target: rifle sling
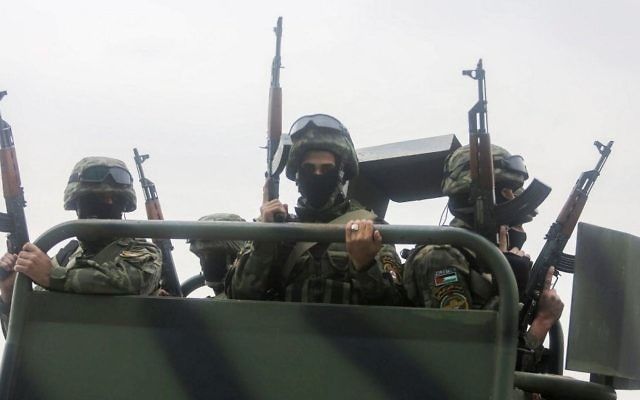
108,253
301,247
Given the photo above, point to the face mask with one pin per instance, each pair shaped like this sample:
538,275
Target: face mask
516,238
317,189
499,197
95,207
214,266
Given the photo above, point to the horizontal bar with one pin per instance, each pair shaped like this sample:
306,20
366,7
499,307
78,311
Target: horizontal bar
487,252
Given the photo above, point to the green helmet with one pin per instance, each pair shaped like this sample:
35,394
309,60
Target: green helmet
231,247
100,175
509,170
321,132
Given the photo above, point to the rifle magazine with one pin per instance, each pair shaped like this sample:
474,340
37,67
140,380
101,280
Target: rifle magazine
566,263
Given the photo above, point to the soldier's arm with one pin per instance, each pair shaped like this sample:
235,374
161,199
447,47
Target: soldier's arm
372,264
251,276
7,262
136,270
379,284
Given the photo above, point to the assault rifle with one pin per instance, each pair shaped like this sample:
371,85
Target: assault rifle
485,215
170,281
275,159
557,237
13,221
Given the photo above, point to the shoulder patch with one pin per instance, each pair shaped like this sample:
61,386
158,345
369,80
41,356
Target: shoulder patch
390,265
134,254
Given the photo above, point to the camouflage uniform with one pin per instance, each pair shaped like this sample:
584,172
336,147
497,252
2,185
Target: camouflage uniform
216,256
124,266
443,276
322,273
120,266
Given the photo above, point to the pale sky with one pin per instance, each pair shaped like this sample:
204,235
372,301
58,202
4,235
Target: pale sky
188,83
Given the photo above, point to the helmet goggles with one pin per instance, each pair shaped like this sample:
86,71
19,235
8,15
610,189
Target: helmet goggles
513,163
99,173
317,120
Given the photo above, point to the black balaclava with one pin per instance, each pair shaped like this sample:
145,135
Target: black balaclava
214,266
319,190
95,207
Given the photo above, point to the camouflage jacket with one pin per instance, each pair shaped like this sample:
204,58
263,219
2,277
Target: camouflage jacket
444,276
322,274
124,266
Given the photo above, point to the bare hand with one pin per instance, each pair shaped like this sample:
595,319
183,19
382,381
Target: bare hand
503,243
550,309
34,263
270,208
7,262
363,242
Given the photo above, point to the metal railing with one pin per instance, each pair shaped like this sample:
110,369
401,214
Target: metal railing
488,254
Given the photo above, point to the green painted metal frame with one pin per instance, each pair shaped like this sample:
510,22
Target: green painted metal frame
562,387
505,345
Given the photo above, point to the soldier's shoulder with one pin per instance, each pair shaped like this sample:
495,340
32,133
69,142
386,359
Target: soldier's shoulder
134,247
435,252
355,205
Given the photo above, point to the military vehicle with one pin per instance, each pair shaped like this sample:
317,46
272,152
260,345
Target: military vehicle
67,346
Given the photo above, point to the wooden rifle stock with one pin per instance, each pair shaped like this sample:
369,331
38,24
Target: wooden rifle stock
274,123
481,161
556,239
14,221
154,211
170,281
487,215
571,211
275,118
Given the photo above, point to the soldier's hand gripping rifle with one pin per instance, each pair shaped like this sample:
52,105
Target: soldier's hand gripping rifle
557,237
170,281
276,155
486,216
14,221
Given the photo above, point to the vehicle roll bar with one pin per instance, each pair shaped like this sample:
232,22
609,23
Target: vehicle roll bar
487,252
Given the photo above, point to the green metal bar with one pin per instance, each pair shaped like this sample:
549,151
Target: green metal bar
561,387
487,253
191,284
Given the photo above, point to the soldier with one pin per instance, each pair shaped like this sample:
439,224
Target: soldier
216,256
442,276
362,271
99,187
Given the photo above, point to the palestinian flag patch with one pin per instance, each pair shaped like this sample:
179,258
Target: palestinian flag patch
445,277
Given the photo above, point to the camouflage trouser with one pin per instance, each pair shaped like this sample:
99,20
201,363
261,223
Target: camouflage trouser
437,276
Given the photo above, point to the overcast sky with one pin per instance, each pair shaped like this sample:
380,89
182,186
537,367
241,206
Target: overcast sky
188,83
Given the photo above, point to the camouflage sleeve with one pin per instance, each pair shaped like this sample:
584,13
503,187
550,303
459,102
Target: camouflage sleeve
251,276
530,353
136,270
437,276
380,284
